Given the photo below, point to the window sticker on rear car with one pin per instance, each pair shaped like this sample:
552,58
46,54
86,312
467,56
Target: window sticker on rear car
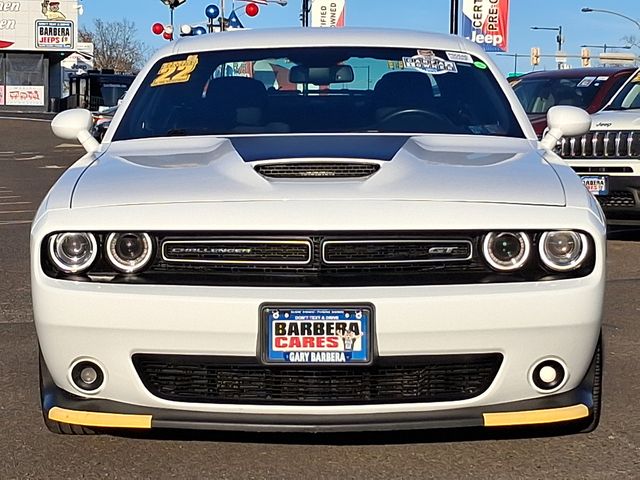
602,79
459,57
586,82
176,72
429,64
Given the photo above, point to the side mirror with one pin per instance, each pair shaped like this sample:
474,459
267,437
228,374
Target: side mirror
75,124
565,121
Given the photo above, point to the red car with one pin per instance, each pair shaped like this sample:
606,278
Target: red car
587,88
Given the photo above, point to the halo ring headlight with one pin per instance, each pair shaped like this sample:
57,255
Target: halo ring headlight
563,250
73,252
506,251
129,252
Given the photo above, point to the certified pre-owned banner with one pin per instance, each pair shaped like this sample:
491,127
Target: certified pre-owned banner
486,22
327,13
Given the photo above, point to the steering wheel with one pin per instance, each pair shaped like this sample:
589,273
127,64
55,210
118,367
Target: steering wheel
431,116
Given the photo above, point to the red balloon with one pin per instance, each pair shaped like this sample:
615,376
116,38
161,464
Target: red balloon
157,28
252,9
167,36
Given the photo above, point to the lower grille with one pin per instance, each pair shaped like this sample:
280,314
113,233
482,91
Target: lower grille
617,199
241,380
603,169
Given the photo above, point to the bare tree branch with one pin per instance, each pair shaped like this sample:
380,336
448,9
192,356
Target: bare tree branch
115,45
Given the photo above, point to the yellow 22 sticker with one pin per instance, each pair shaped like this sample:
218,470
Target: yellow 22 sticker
176,72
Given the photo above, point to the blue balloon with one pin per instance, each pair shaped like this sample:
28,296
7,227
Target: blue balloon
199,31
212,11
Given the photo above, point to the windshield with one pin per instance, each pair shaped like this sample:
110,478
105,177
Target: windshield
318,90
629,97
111,93
538,95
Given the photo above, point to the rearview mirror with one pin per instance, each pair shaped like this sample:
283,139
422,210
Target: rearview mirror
565,121
321,75
75,124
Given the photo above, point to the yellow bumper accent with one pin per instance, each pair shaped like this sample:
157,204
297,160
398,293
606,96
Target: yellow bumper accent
95,419
533,417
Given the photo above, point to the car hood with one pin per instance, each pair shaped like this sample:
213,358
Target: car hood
425,168
616,120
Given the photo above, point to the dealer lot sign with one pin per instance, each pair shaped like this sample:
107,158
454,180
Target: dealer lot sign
54,34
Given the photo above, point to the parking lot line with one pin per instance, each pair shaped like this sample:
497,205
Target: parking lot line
14,203
14,222
2,212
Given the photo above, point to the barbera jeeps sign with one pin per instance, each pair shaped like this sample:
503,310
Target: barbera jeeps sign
38,25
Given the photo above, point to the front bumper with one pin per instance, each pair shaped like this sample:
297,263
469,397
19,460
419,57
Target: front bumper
524,322
622,204
577,406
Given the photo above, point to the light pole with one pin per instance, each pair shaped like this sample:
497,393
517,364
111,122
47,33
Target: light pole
605,46
559,38
173,4
304,16
589,10
454,15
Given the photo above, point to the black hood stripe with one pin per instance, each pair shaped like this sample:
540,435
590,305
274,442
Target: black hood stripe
368,147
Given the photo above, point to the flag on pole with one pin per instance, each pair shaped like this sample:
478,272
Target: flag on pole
234,21
328,13
486,22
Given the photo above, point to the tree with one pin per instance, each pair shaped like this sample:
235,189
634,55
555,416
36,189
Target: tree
115,45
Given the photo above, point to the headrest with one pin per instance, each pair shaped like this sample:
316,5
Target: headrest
237,100
403,90
238,92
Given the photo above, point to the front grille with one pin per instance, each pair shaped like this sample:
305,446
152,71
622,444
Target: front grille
238,251
317,169
601,144
241,380
617,200
394,251
347,261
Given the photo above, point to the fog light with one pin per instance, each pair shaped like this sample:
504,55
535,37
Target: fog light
548,375
87,376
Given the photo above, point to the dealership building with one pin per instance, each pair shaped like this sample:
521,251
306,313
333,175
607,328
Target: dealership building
35,37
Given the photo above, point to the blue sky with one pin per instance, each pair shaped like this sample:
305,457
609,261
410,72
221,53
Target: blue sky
431,15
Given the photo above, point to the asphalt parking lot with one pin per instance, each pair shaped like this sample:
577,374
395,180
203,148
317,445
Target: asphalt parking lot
30,161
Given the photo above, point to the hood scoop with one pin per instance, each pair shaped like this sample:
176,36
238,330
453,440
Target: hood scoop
317,169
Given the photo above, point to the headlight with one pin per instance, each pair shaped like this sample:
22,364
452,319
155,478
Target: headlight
563,250
506,251
129,252
73,252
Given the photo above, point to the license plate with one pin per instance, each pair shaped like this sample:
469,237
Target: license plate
597,184
317,335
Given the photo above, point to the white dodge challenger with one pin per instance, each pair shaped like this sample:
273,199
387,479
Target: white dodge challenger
319,230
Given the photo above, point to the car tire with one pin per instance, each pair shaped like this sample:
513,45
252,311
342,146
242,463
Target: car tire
53,425
591,423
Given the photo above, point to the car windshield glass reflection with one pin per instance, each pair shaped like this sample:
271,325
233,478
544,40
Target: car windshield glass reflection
628,98
538,95
313,90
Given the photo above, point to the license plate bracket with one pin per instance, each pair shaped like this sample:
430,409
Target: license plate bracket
596,184
316,334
